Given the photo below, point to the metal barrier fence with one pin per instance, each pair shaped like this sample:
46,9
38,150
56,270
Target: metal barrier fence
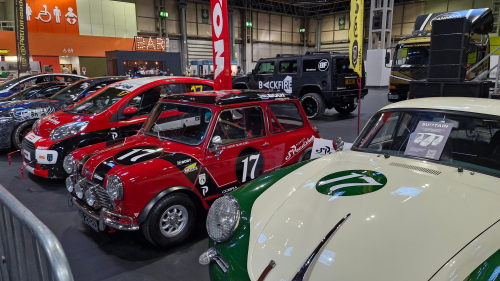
29,250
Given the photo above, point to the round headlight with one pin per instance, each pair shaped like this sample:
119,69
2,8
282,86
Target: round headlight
223,218
69,164
78,191
90,198
114,187
69,184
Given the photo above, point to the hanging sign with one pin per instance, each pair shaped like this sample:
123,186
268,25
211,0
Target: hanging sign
342,23
150,44
205,15
220,45
356,36
22,47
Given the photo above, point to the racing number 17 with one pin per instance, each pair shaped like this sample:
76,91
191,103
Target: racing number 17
245,167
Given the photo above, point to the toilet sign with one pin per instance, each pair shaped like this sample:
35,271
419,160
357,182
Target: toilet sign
84,69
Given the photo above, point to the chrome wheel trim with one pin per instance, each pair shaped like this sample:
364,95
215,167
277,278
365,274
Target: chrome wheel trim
173,220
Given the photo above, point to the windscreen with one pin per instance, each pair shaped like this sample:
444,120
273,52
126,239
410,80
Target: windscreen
473,141
98,102
7,84
71,92
412,55
177,122
25,94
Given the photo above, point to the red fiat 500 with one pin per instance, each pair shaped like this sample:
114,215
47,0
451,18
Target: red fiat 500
193,148
117,111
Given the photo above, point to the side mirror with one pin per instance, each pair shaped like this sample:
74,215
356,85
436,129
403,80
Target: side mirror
387,56
215,147
254,71
130,111
338,144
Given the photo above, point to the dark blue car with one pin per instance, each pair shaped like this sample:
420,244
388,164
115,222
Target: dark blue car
17,117
39,91
24,82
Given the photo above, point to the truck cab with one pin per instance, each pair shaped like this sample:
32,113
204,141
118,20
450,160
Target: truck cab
320,80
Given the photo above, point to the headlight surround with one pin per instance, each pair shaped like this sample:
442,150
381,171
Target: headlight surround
114,186
223,218
68,130
69,164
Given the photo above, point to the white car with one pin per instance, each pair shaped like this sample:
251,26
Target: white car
390,208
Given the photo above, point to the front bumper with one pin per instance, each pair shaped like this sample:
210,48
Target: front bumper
105,217
43,162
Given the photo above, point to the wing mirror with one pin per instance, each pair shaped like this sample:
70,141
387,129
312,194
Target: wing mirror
254,71
130,111
338,144
215,147
387,57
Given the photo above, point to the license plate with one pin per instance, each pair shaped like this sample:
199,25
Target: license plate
90,221
350,81
393,97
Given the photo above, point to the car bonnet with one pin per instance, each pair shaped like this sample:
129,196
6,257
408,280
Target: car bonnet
407,222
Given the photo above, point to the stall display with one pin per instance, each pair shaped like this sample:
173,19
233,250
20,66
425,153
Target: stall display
117,111
417,193
193,148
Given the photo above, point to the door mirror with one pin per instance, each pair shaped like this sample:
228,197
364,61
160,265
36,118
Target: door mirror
338,144
130,111
254,71
387,56
215,147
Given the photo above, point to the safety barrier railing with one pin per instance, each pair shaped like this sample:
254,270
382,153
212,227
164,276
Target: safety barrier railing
29,250
6,25
487,72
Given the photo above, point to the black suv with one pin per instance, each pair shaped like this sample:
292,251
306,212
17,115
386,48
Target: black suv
320,79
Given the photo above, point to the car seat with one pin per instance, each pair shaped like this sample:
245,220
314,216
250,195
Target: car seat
254,124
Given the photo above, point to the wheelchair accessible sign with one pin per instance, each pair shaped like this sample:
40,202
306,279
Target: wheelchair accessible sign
429,139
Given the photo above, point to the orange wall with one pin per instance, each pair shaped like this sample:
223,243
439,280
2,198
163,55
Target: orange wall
49,44
54,61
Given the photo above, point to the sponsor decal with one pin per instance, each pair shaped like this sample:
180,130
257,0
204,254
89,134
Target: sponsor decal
32,137
445,16
138,154
182,162
204,190
202,179
301,145
53,120
35,113
43,147
50,157
136,214
323,65
285,85
249,164
272,95
96,176
41,157
351,182
236,145
190,168
229,189
114,135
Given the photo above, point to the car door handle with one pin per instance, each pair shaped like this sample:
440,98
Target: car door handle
265,144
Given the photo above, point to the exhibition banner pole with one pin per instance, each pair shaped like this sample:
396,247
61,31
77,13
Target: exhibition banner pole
356,45
220,45
22,48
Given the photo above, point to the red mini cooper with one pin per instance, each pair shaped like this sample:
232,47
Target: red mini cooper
193,148
117,111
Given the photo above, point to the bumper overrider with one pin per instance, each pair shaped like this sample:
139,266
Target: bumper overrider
102,210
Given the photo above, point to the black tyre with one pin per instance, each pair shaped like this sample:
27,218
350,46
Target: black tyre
345,108
170,221
313,105
306,155
20,132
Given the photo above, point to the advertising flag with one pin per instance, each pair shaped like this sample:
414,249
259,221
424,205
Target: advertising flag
356,36
220,45
22,48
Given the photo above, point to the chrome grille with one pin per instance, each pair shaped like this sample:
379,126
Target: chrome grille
102,199
415,168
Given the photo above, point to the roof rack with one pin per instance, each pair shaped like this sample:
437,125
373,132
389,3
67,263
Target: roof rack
319,53
286,55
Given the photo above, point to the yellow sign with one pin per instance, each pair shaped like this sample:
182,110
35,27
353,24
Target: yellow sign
197,88
356,36
4,51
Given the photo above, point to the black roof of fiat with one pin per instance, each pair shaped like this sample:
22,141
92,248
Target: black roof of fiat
227,97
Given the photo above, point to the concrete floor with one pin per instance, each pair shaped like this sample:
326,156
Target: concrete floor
126,256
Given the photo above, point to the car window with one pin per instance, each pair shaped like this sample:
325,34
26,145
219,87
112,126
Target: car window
146,101
192,87
312,65
31,82
170,89
99,102
98,87
236,125
266,68
284,117
71,92
288,66
51,91
66,78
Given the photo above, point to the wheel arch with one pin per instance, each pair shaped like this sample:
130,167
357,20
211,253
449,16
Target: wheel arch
11,134
309,88
168,191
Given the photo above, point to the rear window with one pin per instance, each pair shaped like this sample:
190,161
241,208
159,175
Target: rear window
284,117
288,66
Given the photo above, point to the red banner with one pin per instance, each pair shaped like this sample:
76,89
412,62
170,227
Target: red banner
220,45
